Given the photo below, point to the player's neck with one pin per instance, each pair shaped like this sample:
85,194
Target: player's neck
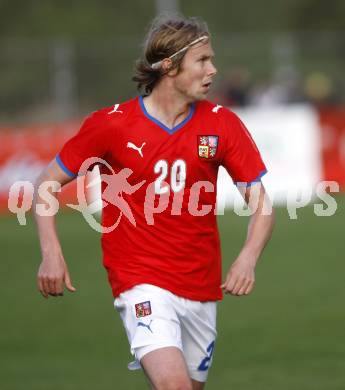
167,106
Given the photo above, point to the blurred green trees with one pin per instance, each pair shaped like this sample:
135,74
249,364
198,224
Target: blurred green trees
75,56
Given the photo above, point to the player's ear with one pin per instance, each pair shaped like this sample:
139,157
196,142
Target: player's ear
173,72
166,65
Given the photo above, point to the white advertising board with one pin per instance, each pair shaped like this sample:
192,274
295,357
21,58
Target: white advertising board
288,138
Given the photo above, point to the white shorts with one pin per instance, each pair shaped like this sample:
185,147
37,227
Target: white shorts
156,318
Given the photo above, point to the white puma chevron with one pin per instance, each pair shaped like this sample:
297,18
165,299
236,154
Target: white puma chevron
132,146
215,109
116,106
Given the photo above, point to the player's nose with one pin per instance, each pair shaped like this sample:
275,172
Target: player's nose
212,70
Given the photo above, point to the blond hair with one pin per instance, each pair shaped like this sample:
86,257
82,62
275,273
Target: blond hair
166,36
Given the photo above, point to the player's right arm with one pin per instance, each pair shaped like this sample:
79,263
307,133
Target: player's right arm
92,140
53,273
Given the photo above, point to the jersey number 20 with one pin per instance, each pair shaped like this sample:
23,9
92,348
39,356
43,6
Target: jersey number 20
177,176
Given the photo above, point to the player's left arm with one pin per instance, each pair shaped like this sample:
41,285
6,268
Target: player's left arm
240,278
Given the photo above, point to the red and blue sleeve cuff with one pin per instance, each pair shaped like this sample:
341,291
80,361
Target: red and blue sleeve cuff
249,184
64,168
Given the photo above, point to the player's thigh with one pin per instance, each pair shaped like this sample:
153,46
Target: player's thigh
167,369
198,328
149,319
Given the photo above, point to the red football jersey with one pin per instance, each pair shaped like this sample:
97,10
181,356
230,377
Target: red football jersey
167,233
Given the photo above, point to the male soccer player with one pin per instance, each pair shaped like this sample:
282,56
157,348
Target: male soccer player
163,261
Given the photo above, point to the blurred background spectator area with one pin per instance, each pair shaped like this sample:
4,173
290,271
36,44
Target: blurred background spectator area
280,67
59,61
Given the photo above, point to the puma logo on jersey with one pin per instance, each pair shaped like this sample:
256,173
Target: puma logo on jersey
139,150
116,106
145,325
216,108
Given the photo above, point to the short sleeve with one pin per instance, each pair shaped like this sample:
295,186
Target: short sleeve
241,157
92,140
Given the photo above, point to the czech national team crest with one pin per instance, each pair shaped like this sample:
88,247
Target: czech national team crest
207,145
142,309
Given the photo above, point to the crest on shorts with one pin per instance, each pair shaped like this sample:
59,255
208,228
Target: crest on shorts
207,145
142,309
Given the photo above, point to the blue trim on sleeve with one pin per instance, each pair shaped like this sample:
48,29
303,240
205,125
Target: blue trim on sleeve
64,168
255,181
162,125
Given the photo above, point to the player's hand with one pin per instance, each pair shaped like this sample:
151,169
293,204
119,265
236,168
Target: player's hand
52,276
241,277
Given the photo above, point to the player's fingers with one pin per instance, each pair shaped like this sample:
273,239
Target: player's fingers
45,285
231,283
244,287
51,284
59,287
250,287
225,286
68,282
54,286
239,284
41,288
226,282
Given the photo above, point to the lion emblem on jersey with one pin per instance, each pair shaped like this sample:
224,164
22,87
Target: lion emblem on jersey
207,145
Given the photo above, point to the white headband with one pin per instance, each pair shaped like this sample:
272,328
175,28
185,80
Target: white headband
157,65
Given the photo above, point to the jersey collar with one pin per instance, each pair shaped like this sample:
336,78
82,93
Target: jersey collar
162,125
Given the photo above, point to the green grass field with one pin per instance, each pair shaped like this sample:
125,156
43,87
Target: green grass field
289,334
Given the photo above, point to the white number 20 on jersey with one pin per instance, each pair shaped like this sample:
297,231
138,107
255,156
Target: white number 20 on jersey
177,176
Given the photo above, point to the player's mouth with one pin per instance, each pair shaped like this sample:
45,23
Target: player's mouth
207,85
